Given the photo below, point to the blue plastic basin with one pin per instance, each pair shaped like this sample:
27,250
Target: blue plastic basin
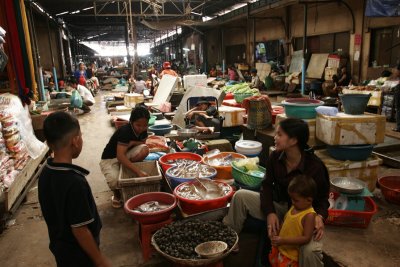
160,130
301,108
353,153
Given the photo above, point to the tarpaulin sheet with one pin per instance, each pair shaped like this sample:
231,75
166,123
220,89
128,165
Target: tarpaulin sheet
382,8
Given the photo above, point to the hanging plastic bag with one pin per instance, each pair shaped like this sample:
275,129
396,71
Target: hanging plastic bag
76,99
165,107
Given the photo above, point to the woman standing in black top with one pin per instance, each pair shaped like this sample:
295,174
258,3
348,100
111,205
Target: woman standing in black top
291,158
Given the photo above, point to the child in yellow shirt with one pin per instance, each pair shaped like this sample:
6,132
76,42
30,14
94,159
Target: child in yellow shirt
298,225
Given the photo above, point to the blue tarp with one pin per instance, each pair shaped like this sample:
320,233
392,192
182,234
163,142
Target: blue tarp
382,8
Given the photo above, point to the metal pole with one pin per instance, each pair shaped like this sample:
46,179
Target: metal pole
35,52
254,43
52,56
303,71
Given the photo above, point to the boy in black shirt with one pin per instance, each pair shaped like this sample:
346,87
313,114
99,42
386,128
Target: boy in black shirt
66,199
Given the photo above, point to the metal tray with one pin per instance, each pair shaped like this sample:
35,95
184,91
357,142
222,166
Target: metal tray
389,154
348,185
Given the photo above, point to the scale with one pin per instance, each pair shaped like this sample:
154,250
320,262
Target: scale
352,194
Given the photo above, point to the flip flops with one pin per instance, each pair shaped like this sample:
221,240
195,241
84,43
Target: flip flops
116,203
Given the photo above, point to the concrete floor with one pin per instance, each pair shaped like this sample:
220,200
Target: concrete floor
25,242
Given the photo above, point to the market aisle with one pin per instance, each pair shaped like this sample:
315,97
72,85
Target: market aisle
25,242
96,131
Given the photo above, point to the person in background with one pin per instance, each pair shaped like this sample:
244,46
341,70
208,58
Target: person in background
140,85
255,80
396,76
298,226
91,75
232,73
213,72
204,116
168,70
87,96
344,77
65,197
125,146
292,157
80,74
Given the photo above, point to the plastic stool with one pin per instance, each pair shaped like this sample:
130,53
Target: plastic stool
146,231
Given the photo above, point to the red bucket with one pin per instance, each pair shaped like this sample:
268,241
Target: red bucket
178,155
390,187
190,206
150,217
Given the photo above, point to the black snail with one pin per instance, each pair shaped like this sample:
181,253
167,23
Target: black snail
180,238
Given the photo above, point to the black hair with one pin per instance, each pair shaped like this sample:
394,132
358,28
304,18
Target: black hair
386,73
335,78
139,78
303,185
139,113
296,128
58,127
72,80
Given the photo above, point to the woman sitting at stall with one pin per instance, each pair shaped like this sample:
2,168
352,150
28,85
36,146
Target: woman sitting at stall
91,75
204,117
126,145
139,85
255,79
291,158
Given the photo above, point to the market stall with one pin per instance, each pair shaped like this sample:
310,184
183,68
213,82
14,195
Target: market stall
21,153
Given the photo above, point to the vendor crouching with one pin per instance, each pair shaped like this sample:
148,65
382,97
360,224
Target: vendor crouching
126,145
203,117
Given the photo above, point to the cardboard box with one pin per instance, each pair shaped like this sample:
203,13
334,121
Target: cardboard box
329,72
344,129
366,171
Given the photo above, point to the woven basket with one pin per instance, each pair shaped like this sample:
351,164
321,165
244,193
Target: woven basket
258,117
252,182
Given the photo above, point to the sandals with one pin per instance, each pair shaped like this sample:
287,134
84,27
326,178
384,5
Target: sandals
116,203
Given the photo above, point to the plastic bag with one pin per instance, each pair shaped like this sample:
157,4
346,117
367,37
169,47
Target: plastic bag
165,107
12,104
76,99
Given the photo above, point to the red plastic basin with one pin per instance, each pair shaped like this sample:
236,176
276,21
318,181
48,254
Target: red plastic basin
229,96
190,206
178,155
150,217
390,187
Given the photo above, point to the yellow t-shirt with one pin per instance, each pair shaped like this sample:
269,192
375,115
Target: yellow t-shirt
292,227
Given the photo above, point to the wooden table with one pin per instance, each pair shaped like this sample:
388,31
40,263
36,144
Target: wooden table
12,198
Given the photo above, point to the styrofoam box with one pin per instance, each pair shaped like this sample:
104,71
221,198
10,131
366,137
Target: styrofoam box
194,80
130,100
344,129
312,141
233,116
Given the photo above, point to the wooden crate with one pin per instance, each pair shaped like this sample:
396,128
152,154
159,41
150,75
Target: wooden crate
14,191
